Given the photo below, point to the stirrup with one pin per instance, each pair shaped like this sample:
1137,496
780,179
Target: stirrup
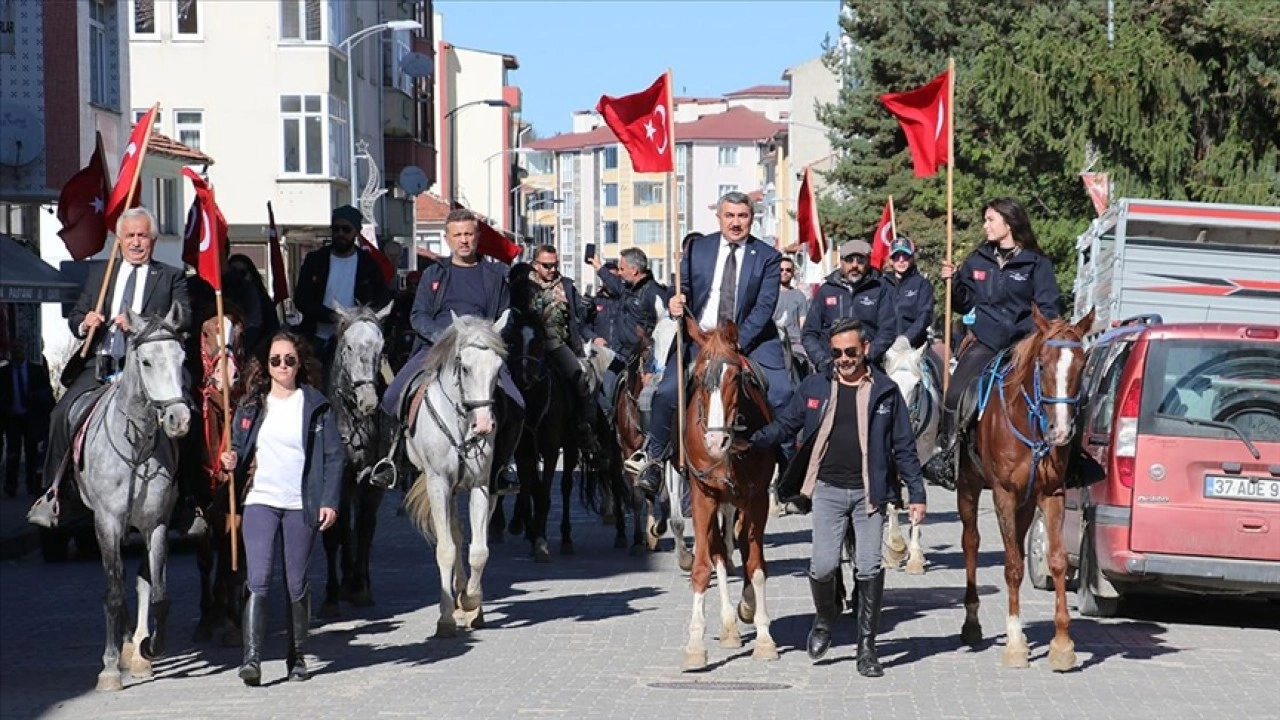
383,474
636,464
44,512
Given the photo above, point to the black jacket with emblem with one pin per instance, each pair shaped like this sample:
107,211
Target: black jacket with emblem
870,301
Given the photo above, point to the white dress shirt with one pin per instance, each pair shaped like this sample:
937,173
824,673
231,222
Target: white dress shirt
711,313
139,287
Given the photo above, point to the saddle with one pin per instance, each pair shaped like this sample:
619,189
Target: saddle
83,408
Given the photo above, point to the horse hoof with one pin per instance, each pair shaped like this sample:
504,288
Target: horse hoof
730,640
566,547
126,656
765,650
328,611
476,621
915,566
684,560
109,681
971,633
694,659
620,543
639,550
746,613
140,668
541,553
446,629
1016,657
469,603
1062,659
362,599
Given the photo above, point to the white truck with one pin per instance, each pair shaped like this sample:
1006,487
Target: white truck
1187,262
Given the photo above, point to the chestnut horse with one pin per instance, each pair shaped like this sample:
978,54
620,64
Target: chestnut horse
726,404
1020,449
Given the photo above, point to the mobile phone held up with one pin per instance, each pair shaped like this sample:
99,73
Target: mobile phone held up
590,253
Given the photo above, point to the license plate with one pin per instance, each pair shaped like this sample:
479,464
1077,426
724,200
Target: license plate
1241,488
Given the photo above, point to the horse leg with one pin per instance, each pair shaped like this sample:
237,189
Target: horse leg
347,558
968,491
755,516
131,658
332,539
915,553
895,546
498,520
109,537
1012,530
675,493
619,518
205,560
446,551
478,558
153,646
566,498
536,531
729,530
695,652
1062,651
369,499
729,636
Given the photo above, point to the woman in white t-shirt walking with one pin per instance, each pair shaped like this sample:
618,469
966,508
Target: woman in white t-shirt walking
286,449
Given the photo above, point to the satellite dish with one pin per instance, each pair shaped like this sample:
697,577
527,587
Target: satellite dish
21,136
416,65
412,180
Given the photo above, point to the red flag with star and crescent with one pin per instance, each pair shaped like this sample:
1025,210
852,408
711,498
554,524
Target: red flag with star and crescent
206,234
923,115
807,218
885,232
130,167
82,207
644,125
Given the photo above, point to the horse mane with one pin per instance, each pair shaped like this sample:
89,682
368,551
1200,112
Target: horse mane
720,347
466,331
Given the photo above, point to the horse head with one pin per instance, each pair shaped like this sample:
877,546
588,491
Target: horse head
1055,379
905,366
717,390
155,363
215,345
595,363
358,356
472,349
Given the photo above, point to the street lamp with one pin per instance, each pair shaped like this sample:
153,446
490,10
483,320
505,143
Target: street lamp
453,140
347,46
488,175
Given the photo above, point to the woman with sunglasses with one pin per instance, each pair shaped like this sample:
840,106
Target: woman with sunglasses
913,295
994,289
285,449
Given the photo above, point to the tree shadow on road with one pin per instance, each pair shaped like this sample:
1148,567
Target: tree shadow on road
521,613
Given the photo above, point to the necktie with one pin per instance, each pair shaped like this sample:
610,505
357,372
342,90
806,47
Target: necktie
126,301
728,286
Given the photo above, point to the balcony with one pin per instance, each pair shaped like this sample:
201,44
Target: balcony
401,152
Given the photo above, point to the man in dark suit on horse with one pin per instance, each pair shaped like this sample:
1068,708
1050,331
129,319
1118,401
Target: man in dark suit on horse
462,284
139,283
728,275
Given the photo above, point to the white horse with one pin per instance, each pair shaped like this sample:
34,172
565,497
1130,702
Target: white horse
909,369
451,443
664,336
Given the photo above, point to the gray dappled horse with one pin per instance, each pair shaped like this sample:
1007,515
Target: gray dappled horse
126,478
916,380
451,442
353,390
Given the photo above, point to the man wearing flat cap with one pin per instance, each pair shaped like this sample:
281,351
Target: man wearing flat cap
856,290
340,273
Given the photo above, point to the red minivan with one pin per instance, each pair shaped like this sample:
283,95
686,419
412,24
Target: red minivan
1186,421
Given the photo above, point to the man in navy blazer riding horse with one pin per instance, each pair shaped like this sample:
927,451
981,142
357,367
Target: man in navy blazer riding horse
729,275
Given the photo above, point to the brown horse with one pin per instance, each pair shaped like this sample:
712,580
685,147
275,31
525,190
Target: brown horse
726,404
1020,450
220,588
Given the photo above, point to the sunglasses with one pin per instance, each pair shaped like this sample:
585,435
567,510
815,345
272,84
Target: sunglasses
342,228
288,360
899,257
849,352
857,259
787,270
547,265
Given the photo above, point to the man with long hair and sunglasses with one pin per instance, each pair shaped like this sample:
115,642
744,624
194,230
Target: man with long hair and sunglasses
341,273
855,290
856,452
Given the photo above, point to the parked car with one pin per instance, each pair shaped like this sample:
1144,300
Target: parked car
1185,418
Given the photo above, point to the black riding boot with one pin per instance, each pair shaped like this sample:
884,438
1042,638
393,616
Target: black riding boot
254,626
650,480
941,468
299,628
826,607
503,480
870,593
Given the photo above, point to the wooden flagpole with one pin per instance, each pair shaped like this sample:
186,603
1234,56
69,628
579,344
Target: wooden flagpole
951,163
677,255
232,523
115,247
893,223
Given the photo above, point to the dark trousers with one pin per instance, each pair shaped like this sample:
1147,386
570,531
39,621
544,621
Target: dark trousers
22,435
263,525
970,364
59,432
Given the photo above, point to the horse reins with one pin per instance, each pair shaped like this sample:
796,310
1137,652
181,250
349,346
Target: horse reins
466,448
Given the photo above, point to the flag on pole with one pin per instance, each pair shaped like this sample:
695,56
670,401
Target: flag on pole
205,239
923,114
130,167
82,207
885,233
1099,187
644,125
807,218
279,279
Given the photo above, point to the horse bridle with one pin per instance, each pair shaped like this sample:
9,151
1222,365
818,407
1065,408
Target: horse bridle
1037,419
163,404
733,431
466,447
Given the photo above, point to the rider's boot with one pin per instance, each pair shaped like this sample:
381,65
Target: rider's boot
298,629
253,625
826,611
587,440
503,479
870,593
940,469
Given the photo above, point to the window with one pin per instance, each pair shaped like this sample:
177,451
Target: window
1195,387
649,232
609,195
656,267
1103,398
566,167
566,236
725,190
566,207
680,199
99,18
649,193
684,227
682,159
394,52
540,162
138,113
189,127
338,26
609,157
302,126
187,19
164,201
728,155
610,232
144,17
300,20
339,140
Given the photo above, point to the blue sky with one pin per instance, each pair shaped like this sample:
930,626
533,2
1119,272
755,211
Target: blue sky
572,52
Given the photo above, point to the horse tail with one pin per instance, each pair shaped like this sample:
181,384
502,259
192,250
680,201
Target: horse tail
417,503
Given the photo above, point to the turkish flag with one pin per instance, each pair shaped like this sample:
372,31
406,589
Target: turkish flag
885,233
205,240
923,115
369,241
130,168
1099,187
644,125
279,279
493,243
82,208
807,218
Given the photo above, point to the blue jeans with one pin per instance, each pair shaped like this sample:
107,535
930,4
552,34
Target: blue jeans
833,509
262,525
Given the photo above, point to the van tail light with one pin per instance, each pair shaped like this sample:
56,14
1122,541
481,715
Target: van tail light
1126,443
1262,333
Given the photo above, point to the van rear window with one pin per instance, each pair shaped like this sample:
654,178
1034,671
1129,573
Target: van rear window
1191,388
